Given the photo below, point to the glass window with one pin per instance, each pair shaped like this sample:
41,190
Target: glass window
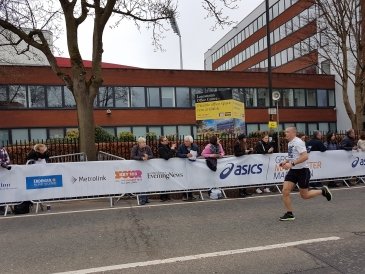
195,91
322,97
153,97
169,130
168,97
312,127
121,95
287,98
123,129
182,97
326,67
69,98
38,134
54,96
55,133
110,130
137,97
333,127
37,98
323,127
17,96
311,98
156,130
106,97
4,137
299,97
3,95
184,130
252,128
263,98
264,127
331,98
251,97
19,135
139,131
301,127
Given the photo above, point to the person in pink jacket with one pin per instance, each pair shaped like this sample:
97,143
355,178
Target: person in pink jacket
212,152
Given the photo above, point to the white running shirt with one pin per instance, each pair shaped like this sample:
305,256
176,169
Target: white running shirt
296,147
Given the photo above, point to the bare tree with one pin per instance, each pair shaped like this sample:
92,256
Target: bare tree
23,23
339,42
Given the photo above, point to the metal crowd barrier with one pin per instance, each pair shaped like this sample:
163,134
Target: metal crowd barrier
103,156
74,157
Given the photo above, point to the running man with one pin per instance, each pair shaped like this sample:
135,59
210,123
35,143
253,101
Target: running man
298,174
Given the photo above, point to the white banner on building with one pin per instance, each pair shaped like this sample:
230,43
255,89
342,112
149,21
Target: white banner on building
82,179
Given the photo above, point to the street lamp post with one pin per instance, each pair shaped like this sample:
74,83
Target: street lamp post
175,28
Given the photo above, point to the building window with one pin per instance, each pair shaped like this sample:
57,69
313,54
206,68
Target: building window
55,133
37,97
311,98
139,131
54,96
123,130
323,127
322,98
17,96
195,91
38,134
3,96
153,97
287,98
138,97
121,95
331,98
251,97
168,97
106,97
184,130
263,99
301,127
4,137
312,127
252,128
326,67
299,97
19,135
169,130
155,130
69,98
182,97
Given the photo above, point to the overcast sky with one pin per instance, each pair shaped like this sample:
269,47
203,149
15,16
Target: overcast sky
127,45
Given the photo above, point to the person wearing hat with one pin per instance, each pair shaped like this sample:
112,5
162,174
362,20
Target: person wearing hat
240,148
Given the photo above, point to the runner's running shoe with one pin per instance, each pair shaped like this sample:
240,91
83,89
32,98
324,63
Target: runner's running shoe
326,193
287,217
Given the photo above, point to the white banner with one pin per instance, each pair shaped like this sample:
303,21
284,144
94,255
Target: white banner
81,179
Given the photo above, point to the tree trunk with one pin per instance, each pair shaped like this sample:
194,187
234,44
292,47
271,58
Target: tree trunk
85,115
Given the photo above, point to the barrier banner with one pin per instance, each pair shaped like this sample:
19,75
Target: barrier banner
81,179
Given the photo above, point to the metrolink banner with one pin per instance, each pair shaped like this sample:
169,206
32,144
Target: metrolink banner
81,179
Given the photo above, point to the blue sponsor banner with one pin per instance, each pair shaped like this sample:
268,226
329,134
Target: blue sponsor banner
50,181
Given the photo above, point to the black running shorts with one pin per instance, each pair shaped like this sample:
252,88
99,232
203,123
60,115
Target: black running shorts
299,176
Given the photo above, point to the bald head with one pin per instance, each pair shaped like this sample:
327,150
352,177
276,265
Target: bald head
290,133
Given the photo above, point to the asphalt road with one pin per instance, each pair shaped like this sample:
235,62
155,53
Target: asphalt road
224,236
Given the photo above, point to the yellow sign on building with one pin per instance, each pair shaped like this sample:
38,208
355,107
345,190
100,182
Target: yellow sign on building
273,124
222,109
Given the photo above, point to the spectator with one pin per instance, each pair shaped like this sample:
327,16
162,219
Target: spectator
361,142
240,148
4,158
302,136
187,150
331,141
264,147
316,144
4,162
213,150
39,154
349,142
166,152
141,152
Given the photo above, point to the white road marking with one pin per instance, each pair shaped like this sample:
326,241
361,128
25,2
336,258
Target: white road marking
198,256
